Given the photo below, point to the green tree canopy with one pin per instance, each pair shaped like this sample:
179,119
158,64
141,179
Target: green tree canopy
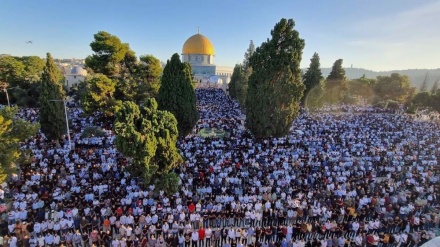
361,89
33,70
52,116
136,80
422,99
126,89
395,87
77,91
148,136
110,54
367,81
177,95
275,86
425,100
13,131
98,95
12,71
313,77
148,75
22,76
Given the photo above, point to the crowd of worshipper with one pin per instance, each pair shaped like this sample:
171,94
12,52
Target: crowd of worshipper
344,176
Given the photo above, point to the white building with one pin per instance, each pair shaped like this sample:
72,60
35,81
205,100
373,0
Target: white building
76,75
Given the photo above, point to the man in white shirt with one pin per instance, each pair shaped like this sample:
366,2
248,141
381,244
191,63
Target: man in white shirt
37,228
123,220
56,239
403,238
74,212
33,241
115,242
148,220
258,206
182,216
50,225
231,235
416,222
289,215
112,223
376,225
355,226
69,223
258,218
48,239
11,227
244,236
195,238
358,240
57,227
370,226
252,216
129,220
165,228
13,241
208,235
41,241
128,231
323,242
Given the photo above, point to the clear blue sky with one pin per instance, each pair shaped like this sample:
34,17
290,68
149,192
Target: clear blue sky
370,34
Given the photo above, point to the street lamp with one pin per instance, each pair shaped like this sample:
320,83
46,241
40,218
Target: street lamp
67,121
7,96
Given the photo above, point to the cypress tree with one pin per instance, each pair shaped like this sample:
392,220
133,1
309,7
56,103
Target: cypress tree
336,84
177,95
248,54
313,77
337,73
424,86
275,86
435,87
239,84
52,116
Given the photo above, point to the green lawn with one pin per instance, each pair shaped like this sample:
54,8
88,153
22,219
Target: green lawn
207,132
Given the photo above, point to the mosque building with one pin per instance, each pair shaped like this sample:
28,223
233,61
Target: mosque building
73,76
199,52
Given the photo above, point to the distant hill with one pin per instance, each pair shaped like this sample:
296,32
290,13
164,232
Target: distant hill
417,76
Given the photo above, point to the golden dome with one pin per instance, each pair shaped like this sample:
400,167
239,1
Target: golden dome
198,44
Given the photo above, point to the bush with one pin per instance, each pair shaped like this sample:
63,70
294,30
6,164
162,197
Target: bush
391,104
412,109
93,131
381,104
169,183
349,99
387,104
